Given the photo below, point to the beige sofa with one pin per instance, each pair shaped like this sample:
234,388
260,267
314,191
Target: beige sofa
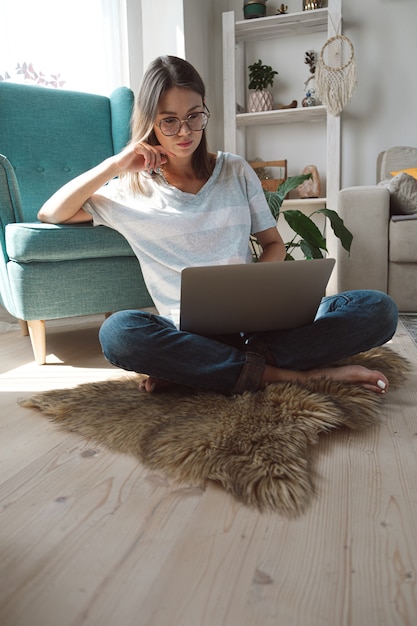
383,221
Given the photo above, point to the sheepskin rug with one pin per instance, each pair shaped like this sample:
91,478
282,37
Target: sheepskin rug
256,445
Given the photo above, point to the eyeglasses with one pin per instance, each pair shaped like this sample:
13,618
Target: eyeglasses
195,122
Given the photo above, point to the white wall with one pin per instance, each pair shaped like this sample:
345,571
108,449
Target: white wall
134,36
184,28
382,112
162,29
200,32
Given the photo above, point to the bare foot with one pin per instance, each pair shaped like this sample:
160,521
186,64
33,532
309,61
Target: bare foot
354,374
152,384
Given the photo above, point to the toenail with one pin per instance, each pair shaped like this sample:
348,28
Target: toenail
381,384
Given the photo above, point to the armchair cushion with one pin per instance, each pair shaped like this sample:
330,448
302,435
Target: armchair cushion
76,287
30,242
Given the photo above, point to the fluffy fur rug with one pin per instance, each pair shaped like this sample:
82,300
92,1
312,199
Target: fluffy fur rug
257,445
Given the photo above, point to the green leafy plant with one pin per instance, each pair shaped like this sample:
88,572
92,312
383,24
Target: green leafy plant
261,76
307,236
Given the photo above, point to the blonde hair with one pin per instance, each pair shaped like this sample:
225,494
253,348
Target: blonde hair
164,73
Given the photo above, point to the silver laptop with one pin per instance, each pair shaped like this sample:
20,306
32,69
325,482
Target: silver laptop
252,297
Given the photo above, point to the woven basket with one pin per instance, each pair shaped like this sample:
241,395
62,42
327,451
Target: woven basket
271,184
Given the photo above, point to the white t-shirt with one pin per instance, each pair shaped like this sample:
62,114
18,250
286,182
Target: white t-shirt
169,230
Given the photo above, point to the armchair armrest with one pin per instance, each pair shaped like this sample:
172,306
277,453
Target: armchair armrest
9,207
366,213
10,204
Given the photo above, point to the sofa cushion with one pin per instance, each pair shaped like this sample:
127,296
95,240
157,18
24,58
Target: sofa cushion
29,242
403,194
394,159
402,240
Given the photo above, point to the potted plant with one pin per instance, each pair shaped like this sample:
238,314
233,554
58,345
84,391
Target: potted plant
307,236
260,78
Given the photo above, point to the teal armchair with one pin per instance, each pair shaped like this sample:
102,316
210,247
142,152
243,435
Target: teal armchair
47,137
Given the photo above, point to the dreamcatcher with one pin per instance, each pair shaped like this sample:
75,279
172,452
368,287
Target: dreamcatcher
336,73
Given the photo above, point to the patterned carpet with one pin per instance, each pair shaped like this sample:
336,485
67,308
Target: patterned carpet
410,324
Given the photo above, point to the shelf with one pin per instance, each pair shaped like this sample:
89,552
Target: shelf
282,116
312,204
311,129
287,25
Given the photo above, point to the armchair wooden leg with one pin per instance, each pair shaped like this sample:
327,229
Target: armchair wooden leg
37,334
24,328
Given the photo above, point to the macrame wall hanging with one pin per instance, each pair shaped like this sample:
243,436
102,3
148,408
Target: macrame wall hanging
336,73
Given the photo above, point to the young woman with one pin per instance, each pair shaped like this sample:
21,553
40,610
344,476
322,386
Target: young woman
180,205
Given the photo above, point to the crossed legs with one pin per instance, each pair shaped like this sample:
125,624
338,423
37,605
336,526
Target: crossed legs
345,325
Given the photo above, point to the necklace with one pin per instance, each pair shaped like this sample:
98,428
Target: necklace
161,173
168,182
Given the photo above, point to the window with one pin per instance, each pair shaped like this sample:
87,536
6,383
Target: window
81,44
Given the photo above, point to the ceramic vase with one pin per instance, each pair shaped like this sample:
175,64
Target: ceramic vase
259,100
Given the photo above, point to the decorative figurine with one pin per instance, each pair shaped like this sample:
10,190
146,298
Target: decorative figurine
310,188
310,99
282,9
310,5
291,105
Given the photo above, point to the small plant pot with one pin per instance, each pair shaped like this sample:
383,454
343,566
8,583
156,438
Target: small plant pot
252,9
260,100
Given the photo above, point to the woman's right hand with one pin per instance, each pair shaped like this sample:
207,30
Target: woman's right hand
141,156
65,206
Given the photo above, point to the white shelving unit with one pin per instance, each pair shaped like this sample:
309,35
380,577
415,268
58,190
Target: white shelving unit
235,35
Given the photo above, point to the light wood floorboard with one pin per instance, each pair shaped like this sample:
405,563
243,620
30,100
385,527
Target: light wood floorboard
91,538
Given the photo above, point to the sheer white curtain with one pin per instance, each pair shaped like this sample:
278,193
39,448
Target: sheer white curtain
115,40
84,41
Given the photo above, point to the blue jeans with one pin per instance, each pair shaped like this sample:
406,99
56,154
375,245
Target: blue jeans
345,324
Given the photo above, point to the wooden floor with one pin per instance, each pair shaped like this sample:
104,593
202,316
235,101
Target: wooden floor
92,538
